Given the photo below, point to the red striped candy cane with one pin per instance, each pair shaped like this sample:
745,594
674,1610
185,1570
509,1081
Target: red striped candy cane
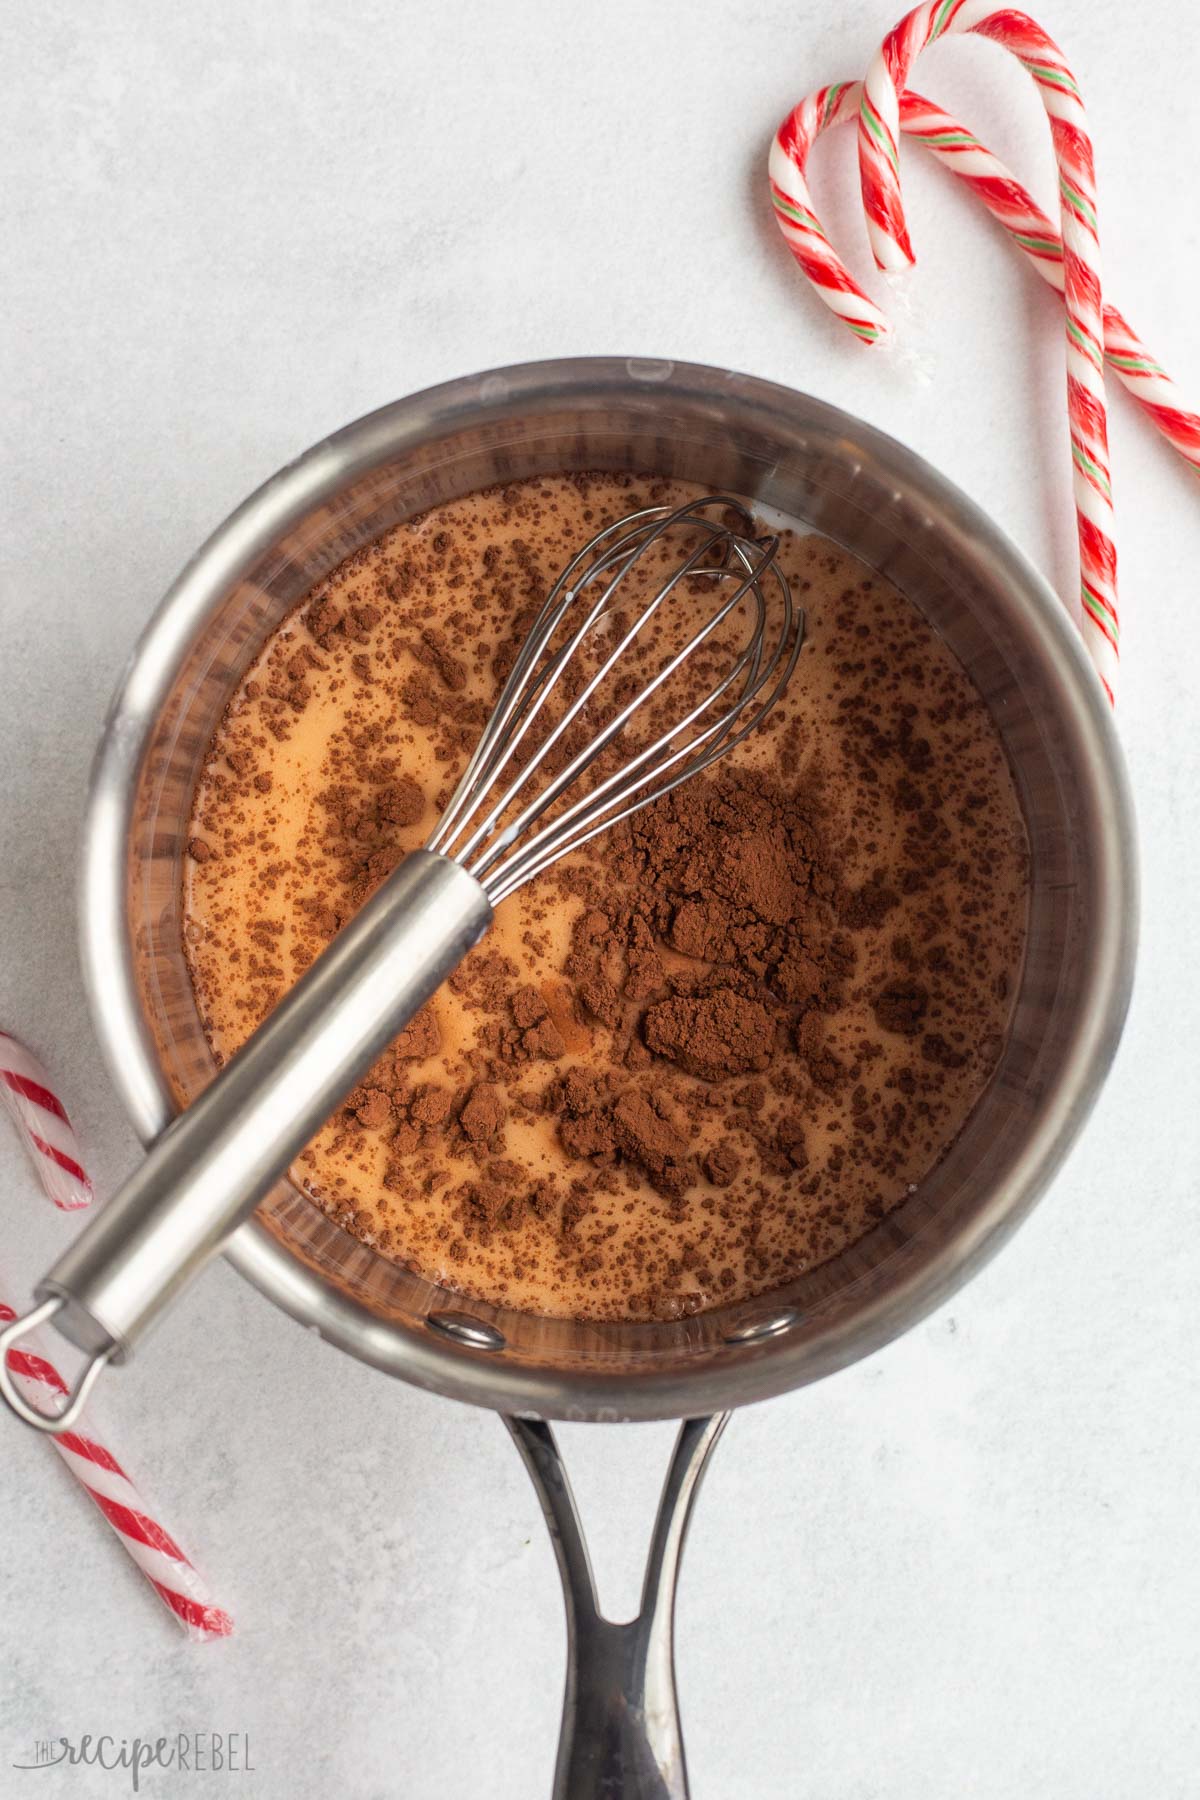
796,215
1032,232
46,1131
1007,201
42,1121
879,133
879,165
170,1573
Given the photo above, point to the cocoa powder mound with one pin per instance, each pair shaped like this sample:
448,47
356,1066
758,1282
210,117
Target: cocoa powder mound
714,922
652,1140
482,1118
720,1034
604,1123
420,1038
717,907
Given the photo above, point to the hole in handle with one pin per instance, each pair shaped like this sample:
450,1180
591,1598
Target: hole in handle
26,1366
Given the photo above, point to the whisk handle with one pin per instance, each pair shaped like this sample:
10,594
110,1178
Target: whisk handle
212,1166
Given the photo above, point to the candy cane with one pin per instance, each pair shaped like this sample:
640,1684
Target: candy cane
879,131
46,1131
42,1121
796,215
1009,204
1032,232
170,1573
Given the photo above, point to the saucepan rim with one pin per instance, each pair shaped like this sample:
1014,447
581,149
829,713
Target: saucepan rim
441,1363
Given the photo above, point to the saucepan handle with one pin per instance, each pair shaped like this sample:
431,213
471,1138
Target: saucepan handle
621,1737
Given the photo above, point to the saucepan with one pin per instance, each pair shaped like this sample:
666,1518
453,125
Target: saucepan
789,452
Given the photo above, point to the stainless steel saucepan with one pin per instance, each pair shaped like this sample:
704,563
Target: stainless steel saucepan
731,433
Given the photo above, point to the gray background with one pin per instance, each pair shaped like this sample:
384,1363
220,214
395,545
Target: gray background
967,1566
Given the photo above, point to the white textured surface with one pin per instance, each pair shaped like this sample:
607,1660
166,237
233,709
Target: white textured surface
965,1567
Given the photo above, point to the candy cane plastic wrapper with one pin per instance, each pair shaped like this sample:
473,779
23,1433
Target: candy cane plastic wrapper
46,1131
169,1572
880,104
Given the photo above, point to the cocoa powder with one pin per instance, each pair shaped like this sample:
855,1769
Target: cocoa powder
704,1053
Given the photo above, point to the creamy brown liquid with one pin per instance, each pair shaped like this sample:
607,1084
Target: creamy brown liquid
544,1136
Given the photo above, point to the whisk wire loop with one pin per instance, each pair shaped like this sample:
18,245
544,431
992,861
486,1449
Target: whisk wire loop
528,687
606,735
486,827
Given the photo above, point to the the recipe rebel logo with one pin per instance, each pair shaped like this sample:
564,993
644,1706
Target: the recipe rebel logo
186,1752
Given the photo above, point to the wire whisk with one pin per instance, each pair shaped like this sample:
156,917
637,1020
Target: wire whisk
488,825
599,654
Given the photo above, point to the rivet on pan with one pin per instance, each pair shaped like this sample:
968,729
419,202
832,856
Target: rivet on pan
764,1325
466,1330
649,368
